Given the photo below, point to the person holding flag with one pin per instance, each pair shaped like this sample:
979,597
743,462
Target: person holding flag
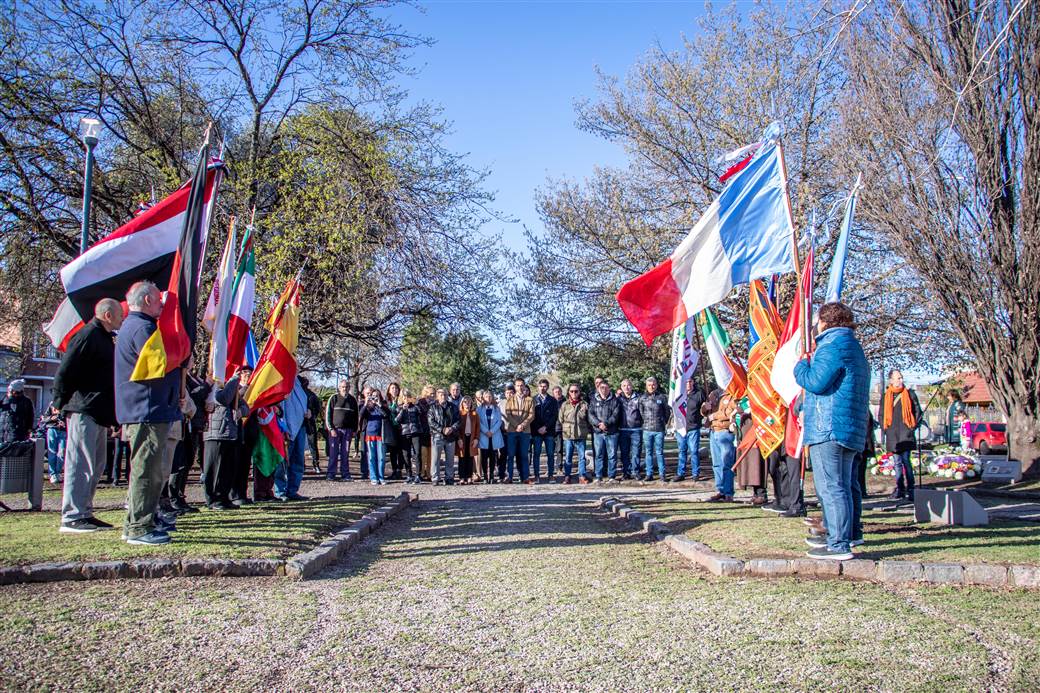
224,457
154,342
836,381
146,410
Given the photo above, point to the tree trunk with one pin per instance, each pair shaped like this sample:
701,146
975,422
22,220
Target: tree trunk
1024,439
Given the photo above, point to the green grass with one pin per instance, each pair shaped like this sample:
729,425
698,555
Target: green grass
265,530
747,532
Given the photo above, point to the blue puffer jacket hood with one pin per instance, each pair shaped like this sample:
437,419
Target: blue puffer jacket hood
837,389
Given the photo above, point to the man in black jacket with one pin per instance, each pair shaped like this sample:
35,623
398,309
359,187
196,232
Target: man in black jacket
310,422
630,436
84,391
16,414
341,421
191,441
689,441
546,411
443,419
655,410
604,416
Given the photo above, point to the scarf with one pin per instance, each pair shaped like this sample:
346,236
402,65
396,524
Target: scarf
906,409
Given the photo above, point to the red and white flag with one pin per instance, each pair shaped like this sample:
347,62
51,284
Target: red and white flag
791,348
143,248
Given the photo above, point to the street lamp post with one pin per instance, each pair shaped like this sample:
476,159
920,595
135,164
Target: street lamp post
89,129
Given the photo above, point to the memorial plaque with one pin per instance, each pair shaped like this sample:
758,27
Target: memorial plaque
1001,471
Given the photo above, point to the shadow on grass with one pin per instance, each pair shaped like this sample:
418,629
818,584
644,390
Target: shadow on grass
465,526
260,530
898,537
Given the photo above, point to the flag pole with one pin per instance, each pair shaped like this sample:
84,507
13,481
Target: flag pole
802,327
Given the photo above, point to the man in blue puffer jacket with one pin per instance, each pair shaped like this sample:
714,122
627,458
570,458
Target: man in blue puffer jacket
837,386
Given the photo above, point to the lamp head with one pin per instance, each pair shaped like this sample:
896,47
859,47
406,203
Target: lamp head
89,130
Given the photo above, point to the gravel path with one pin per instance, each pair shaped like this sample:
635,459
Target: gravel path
491,588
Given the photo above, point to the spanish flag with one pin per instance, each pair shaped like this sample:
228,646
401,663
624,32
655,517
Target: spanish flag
171,343
275,372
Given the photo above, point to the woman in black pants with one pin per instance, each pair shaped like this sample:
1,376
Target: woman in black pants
408,422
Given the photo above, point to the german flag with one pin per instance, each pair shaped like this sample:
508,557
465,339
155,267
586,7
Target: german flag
171,343
275,372
767,407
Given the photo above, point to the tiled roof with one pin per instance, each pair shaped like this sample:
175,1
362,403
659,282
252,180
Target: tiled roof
974,389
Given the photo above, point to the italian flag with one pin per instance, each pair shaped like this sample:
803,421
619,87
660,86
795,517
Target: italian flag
243,298
729,374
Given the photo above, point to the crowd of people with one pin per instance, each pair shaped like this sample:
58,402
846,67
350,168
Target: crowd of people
443,436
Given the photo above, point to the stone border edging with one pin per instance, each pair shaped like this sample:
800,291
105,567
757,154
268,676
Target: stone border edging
890,572
304,565
299,566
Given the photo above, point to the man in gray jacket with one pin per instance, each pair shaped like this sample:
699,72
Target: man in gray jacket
145,409
223,441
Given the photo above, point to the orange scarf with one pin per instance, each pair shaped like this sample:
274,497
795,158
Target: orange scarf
906,409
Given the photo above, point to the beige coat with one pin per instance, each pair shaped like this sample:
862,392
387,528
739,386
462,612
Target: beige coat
518,414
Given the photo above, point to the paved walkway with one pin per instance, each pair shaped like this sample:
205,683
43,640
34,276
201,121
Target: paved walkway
508,588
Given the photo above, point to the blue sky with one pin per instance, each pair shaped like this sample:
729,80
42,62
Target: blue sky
508,73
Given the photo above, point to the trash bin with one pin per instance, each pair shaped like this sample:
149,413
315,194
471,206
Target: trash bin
17,466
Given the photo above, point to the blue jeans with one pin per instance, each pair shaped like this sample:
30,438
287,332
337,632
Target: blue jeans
550,454
832,473
653,447
857,500
55,451
904,474
604,448
289,475
570,447
517,446
723,455
375,459
628,445
689,449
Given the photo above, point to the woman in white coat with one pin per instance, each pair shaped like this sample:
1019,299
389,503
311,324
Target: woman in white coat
491,441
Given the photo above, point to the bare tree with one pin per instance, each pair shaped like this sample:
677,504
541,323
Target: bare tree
942,115
674,114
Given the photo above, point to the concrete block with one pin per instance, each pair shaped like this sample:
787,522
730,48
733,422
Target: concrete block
197,567
154,568
655,528
948,508
944,573
770,567
900,571
105,570
816,567
252,567
10,575
859,569
985,574
52,572
726,567
997,470
295,568
1024,576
